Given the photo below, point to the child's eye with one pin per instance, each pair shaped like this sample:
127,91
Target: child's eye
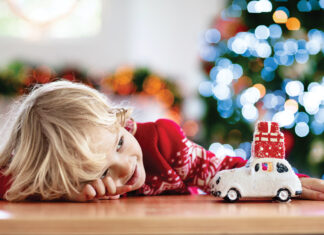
120,143
105,173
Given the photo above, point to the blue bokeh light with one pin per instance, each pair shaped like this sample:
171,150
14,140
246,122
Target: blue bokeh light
301,56
270,101
279,49
250,112
275,31
221,92
208,53
225,104
224,63
266,75
319,116
270,64
304,6
284,83
301,117
246,146
232,11
293,88
314,33
213,73
317,128
225,113
205,88
238,101
315,5
212,36
237,71
301,129
260,43
263,50
239,46
301,44
286,60
291,46
285,9
321,3
241,3
262,32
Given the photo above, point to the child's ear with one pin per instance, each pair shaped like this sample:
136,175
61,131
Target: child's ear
130,126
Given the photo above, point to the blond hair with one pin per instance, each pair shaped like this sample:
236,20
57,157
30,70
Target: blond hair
47,151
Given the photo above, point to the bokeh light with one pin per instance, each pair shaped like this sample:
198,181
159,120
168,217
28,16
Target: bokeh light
259,6
250,112
302,117
291,105
280,17
221,150
262,32
205,88
294,88
190,127
221,91
284,118
259,74
304,6
212,36
293,23
301,129
261,88
275,31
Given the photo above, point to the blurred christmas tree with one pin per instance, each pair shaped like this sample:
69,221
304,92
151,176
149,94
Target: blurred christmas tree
264,61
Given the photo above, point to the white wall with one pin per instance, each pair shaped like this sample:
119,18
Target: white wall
161,34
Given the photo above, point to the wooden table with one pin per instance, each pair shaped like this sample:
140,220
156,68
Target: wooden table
163,215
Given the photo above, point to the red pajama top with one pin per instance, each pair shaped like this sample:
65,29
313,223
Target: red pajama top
172,162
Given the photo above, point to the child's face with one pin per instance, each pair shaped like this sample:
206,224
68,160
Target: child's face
124,157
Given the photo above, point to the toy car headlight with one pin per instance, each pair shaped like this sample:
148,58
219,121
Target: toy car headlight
218,179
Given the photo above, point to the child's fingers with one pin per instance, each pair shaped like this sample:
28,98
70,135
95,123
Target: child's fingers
123,189
115,197
110,185
87,193
312,195
313,183
112,189
99,187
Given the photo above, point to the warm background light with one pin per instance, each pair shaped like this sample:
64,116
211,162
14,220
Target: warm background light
280,17
291,105
261,89
293,23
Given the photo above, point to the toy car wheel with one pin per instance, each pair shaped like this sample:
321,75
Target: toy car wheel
232,195
283,195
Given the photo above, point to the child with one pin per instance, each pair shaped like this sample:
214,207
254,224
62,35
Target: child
67,142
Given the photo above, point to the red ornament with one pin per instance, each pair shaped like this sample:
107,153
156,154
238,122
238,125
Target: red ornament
289,141
229,27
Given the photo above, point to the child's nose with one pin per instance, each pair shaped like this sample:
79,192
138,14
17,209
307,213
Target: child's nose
123,168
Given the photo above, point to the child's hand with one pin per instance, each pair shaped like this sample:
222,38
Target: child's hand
313,188
101,189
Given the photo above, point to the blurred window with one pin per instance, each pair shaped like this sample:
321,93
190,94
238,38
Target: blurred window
39,19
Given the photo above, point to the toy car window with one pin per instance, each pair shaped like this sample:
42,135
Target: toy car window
267,166
281,168
257,167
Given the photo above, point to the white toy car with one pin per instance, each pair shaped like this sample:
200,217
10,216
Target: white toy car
260,177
